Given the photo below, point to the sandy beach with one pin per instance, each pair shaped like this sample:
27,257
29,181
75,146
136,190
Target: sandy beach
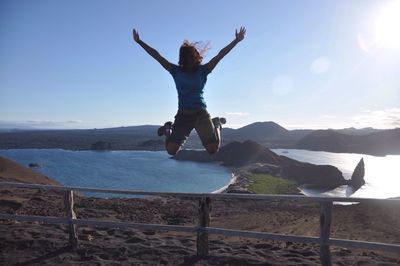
33,243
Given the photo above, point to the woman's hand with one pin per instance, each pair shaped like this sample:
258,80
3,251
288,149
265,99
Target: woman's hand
136,37
240,35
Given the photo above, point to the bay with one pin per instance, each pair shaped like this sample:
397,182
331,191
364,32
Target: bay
155,171
133,170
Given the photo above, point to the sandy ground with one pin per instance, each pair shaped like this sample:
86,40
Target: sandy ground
32,243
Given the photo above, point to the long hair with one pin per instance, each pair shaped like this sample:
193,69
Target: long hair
197,49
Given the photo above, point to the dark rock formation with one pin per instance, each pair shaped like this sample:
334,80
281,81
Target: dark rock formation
357,178
239,154
249,154
236,154
33,165
319,176
101,146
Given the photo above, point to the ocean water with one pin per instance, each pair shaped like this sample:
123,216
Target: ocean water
382,174
131,170
155,171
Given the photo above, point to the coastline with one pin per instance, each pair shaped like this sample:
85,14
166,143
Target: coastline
224,189
238,181
33,242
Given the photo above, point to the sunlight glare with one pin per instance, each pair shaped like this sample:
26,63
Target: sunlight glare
387,25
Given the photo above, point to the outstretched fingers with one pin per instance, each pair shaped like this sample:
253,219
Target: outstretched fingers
240,35
136,37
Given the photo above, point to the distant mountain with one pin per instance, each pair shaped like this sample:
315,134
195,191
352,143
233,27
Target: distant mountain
143,130
269,134
298,134
378,143
121,138
360,131
260,131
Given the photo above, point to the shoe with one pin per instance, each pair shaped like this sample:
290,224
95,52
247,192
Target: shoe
165,129
219,121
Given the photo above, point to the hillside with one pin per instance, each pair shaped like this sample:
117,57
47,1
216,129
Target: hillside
11,171
121,138
250,154
377,143
260,131
269,134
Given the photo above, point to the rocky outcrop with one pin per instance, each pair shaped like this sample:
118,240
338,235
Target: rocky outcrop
239,154
236,154
101,146
357,178
319,176
33,165
255,158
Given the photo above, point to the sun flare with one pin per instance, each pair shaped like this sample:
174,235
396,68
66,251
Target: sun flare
387,25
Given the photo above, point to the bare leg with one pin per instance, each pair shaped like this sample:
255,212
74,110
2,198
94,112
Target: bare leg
171,147
214,147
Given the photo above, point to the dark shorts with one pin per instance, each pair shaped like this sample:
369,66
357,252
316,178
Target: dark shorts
186,120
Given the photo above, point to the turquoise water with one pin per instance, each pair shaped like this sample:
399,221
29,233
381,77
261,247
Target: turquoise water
155,171
133,170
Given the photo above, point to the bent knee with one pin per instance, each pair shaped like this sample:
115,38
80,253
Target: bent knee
212,148
172,148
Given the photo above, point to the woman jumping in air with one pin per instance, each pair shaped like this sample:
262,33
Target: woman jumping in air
190,76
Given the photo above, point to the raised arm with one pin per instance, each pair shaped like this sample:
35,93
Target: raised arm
151,51
239,36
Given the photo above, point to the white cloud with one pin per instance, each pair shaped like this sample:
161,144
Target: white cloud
380,119
387,118
237,113
46,124
52,123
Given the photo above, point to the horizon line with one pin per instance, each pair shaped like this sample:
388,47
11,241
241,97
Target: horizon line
26,126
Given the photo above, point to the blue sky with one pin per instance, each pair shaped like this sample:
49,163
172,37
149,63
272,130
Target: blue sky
303,64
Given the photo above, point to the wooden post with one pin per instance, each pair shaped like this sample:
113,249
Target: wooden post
69,209
204,221
325,226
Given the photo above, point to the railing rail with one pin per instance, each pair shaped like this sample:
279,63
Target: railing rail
196,195
203,229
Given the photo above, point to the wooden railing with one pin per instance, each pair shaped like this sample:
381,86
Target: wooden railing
203,229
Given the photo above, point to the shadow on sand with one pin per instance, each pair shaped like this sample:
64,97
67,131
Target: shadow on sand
46,256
